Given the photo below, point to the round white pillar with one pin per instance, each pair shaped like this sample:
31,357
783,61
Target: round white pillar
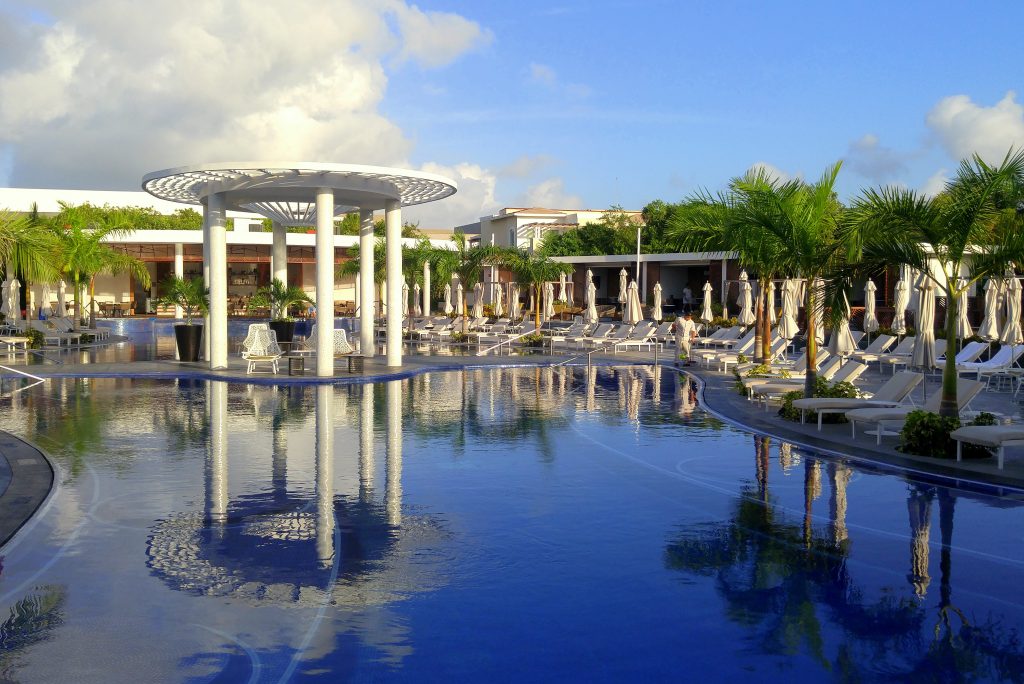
366,275
218,260
206,282
324,472
279,253
393,273
393,457
325,282
179,271
426,289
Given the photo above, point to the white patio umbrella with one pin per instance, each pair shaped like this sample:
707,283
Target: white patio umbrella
623,287
590,315
870,319
5,299
788,327
62,304
989,329
656,309
570,295
417,309
963,323
499,301
459,296
901,299
633,313
448,308
14,293
923,355
770,302
841,343
515,306
706,314
405,298
478,300
1011,333
549,301
587,280
746,303
561,289
44,304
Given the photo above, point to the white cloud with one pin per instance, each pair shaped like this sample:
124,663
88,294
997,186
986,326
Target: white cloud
867,157
108,91
936,183
550,194
526,166
964,128
774,172
476,197
543,74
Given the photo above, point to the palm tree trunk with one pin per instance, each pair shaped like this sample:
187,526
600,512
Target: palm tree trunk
759,327
77,295
811,377
948,406
92,303
536,306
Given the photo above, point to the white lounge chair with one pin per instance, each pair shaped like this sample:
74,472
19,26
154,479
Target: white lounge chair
996,436
1000,361
642,335
966,390
895,390
340,343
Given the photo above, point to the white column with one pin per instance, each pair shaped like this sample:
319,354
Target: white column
279,253
426,289
393,272
325,470
218,258
366,294
206,282
393,483
179,271
325,282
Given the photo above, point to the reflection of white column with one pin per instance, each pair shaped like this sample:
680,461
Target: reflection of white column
426,288
179,271
393,268
324,474
279,463
393,489
218,251
366,464
366,295
325,282
279,253
217,463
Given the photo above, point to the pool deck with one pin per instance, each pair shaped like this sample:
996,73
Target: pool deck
24,483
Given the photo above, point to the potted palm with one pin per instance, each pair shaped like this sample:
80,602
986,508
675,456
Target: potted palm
279,298
194,299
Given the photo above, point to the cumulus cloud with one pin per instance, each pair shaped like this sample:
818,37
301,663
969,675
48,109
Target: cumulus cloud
773,172
476,197
964,127
936,183
550,194
526,166
105,91
867,157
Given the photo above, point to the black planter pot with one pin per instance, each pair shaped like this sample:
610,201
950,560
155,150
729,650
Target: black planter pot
285,330
190,341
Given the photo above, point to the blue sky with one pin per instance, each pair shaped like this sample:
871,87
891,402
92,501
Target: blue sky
590,104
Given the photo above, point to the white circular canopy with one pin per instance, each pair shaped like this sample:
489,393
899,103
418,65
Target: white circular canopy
285,191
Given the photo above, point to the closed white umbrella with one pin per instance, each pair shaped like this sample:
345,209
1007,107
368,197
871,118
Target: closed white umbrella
923,355
448,308
62,303
15,305
561,289
771,303
549,301
44,305
633,313
656,309
499,304
989,329
706,314
746,302
5,299
587,281
623,287
788,327
459,297
515,306
590,315
1011,333
841,343
963,323
571,293
870,319
478,300
405,298
900,303
417,310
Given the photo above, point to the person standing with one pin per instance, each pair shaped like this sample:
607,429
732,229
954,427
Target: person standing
687,298
686,331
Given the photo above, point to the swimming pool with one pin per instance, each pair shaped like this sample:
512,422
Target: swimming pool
537,524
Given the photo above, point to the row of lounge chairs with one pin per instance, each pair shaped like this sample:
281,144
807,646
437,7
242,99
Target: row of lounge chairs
56,331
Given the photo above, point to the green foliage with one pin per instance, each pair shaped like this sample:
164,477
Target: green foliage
532,271
279,298
349,225
762,370
188,293
910,331
614,233
35,338
719,322
822,388
927,434
742,358
532,340
459,336
787,410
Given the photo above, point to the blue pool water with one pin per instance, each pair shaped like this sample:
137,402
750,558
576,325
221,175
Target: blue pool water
529,524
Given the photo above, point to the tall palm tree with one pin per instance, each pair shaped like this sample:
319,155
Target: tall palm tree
976,223
27,247
533,270
466,261
80,230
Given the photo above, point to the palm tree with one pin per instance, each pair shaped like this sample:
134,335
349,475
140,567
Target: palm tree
533,270
80,230
975,223
279,298
467,262
27,247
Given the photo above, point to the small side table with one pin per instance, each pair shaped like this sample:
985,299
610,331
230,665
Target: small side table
355,364
296,365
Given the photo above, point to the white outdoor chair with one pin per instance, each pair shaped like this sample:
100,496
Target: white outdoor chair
260,346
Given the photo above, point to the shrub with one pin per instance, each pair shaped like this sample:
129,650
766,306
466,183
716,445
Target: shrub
719,322
742,358
762,370
533,340
822,388
35,338
927,434
459,336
